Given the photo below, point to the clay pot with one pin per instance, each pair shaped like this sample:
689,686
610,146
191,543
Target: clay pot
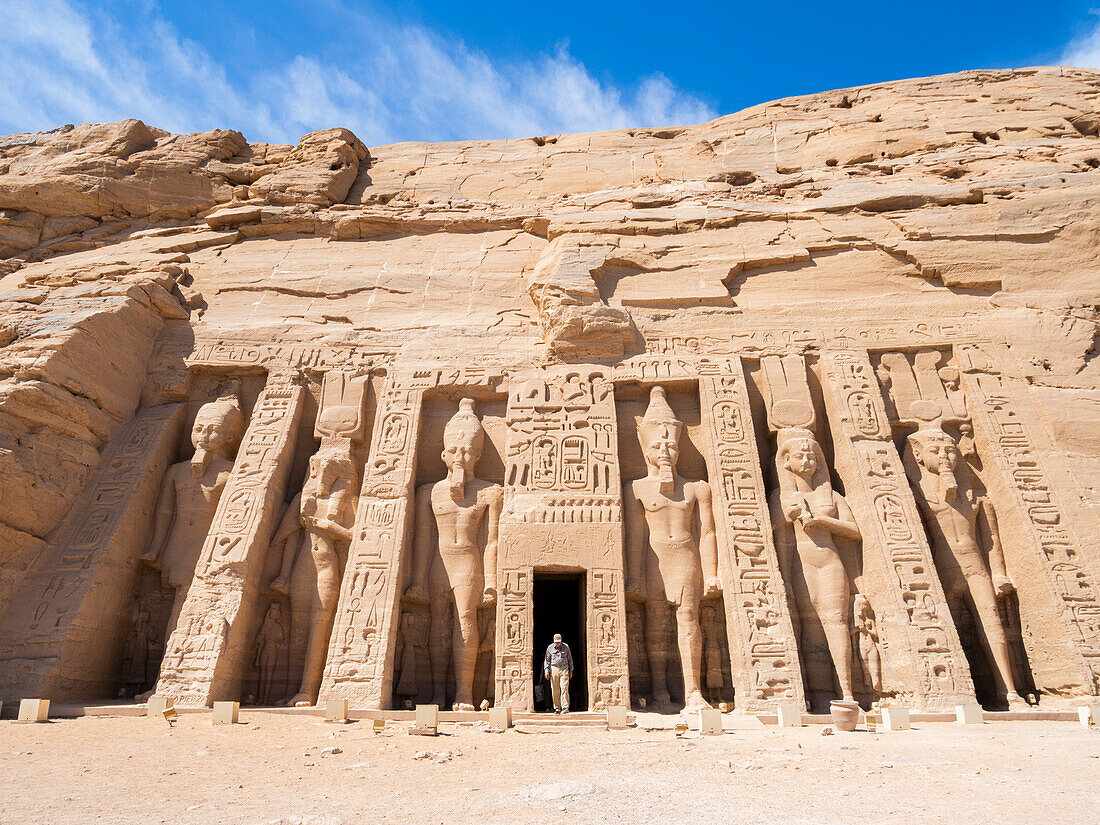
845,714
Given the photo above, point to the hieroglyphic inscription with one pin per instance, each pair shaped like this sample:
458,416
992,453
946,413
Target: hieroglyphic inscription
876,484
359,666
563,508
792,339
205,655
90,562
305,356
764,655
998,423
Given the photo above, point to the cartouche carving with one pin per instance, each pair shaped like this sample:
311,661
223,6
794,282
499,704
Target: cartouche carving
448,559
189,496
806,514
955,514
667,511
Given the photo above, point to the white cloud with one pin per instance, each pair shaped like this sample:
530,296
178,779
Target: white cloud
1084,51
69,63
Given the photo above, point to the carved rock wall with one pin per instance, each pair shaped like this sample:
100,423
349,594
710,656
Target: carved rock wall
915,263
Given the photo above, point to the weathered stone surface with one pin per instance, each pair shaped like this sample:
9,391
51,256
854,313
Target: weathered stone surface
896,284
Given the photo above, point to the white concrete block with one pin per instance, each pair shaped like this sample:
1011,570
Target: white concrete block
895,718
226,713
790,715
34,710
710,721
1089,715
336,710
968,715
427,717
500,718
616,717
158,703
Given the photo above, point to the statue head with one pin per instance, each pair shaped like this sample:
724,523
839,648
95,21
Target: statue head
274,612
659,434
798,454
331,462
463,438
936,451
217,430
861,606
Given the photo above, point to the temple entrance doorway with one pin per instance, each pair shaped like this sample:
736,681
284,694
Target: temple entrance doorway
559,607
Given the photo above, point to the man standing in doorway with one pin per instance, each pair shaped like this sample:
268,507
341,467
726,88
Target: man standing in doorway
558,669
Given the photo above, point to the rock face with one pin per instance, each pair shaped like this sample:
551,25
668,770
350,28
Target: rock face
798,405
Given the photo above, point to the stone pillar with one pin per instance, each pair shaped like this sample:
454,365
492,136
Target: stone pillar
364,635
563,509
877,489
63,634
1036,530
763,650
204,657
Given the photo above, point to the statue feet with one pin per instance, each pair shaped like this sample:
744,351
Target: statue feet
462,706
142,698
695,701
1017,702
660,703
302,700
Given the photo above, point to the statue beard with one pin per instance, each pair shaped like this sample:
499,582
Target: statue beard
456,478
949,484
200,461
666,477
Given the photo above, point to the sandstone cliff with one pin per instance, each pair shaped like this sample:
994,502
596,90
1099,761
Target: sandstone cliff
968,195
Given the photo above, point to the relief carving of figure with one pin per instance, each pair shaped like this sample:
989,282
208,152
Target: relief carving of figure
318,519
806,514
958,519
140,651
449,563
270,640
666,512
189,496
867,642
412,646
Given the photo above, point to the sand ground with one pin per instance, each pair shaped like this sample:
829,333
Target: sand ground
273,768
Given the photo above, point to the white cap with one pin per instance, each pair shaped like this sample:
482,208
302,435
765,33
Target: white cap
557,637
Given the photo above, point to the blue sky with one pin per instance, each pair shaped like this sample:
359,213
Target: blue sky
422,70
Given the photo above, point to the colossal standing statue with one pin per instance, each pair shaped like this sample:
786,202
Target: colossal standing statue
450,515
955,514
189,496
668,511
321,515
806,514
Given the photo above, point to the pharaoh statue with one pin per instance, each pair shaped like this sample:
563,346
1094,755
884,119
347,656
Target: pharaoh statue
316,522
867,643
957,518
138,653
806,516
189,496
666,512
453,517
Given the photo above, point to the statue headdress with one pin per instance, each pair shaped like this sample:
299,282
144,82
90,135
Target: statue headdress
659,424
463,424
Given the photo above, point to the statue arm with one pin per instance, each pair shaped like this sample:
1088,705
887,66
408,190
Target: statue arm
496,504
1001,582
338,503
162,519
288,526
423,541
708,539
635,525
843,525
784,538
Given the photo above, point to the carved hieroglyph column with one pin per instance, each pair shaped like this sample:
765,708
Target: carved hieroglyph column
62,637
758,621
878,490
562,510
360,654
1069,663
205,655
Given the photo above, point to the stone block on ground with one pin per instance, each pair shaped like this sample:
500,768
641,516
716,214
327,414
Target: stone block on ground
789,715
895,719
34,710
336,710
226,713
968,715
710,721
500,718
616,717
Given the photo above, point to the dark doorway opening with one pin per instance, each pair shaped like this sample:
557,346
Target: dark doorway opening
559,607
